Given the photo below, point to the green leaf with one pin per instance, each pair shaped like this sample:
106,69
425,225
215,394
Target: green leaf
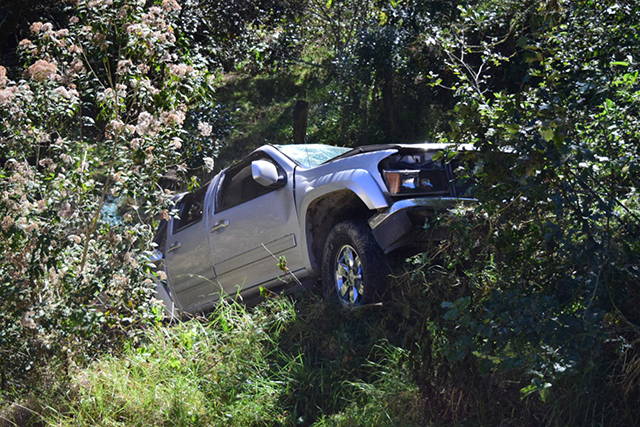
451,314
545,393
620,63
438,156
526,391
609,104
522,42
547,133
463,303
383,18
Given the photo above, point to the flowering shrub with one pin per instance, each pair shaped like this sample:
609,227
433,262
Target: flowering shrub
97,117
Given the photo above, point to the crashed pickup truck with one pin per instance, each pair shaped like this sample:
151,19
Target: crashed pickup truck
310,211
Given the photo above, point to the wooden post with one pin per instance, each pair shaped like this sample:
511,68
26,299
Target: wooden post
300,113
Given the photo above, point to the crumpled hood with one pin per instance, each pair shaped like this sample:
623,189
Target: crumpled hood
402,147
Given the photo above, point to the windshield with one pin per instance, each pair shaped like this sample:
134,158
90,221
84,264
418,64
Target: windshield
311,155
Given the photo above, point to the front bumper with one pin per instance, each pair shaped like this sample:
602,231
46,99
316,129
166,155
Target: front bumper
403,223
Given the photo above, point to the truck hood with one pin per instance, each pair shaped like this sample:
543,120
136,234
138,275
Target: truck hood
402,147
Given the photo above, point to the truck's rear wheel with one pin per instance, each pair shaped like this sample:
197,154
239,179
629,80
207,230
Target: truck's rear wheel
354,268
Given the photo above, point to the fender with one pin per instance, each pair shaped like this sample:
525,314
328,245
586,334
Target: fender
358,181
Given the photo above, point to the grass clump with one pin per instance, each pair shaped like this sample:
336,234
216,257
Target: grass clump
280,363
190,374
389,398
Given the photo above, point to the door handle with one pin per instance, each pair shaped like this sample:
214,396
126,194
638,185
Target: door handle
220,226
175,246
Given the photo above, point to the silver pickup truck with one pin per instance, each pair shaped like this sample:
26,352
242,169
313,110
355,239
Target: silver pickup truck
307,211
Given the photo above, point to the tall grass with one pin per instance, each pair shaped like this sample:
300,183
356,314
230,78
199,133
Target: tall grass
281,363
190,374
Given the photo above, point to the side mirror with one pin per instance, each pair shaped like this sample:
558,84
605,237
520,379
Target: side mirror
265,173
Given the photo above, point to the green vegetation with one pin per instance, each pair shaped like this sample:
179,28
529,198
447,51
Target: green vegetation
526,314
280,364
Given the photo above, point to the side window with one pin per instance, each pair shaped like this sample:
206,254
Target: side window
161,236
238,186
190,209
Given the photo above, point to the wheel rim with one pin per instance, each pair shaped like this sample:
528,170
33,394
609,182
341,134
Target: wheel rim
348,276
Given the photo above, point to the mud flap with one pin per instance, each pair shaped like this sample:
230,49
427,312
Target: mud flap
391,230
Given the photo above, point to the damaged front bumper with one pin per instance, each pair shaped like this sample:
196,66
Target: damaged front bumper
403,223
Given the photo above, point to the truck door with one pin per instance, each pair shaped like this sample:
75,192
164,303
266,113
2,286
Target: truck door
189,267
252,226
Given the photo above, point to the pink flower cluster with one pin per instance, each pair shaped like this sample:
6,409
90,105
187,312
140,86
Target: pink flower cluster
42,70
8,93
171,6
180,70
3,76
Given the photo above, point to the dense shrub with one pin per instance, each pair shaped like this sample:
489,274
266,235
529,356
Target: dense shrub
542,280
97,118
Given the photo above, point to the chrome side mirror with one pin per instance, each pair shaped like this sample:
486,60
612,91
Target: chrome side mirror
265,173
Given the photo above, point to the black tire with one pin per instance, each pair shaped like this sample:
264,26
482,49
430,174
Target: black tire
354,268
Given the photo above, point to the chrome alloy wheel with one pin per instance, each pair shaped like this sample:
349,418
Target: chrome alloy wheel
348,276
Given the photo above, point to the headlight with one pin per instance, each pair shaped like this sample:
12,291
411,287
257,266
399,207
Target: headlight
432,182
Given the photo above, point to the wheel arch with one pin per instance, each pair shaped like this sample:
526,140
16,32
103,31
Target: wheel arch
323,213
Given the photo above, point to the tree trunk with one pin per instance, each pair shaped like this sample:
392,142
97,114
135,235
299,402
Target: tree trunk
300,113
389,104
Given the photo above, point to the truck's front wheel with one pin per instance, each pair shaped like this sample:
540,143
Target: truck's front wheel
354,268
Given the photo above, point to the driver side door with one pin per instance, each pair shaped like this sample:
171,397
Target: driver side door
252,226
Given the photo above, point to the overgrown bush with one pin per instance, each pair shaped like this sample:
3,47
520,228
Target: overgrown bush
542,280
97,117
